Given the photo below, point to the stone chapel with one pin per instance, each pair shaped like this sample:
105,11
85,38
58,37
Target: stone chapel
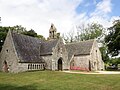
24,53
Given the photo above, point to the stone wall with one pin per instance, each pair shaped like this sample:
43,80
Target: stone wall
88,62
30,66
48,61
95,58
60,52
9,55
80,63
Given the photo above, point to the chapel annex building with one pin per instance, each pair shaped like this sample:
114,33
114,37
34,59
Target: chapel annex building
23,53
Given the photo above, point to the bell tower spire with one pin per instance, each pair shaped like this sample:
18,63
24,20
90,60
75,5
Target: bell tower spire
52,32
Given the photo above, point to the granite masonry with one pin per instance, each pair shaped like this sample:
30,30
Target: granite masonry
23,53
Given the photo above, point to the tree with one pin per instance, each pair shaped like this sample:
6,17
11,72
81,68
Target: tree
30,33
41,37
19,29
3,33
113,39
104,54
69,37
91,31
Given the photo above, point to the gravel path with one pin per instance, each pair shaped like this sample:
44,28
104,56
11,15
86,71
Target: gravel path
97,72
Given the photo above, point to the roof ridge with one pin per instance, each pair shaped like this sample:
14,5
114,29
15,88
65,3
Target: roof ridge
26,35
79,42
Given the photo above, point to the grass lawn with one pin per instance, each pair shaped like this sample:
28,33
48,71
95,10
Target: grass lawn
53,80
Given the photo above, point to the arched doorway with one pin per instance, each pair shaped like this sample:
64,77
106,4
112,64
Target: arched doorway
60,64
89,66
5,66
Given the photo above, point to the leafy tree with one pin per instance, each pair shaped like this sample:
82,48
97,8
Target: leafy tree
41,37
91,31
3,33
115,61
19,29
104,54
30,33
69,37
113,39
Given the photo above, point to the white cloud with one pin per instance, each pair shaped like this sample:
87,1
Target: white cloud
104,6
113,18
39,14
101,13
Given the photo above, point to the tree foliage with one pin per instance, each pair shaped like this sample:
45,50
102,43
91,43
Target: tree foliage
104,54
113,39
3,33
69,37
30,33
91,31
115,61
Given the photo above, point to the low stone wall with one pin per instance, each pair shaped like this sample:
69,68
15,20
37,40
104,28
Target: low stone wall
30,66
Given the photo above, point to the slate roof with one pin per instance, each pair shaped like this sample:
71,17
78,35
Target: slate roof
46,47
30,49
79,48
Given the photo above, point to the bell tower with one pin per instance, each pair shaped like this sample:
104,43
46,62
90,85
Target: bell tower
52,32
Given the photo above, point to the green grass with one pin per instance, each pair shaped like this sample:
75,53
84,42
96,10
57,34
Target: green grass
53,80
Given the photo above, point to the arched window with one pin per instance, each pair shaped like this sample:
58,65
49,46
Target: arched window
5,67
60,64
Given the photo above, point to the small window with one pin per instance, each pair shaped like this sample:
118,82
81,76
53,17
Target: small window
7,50
52,26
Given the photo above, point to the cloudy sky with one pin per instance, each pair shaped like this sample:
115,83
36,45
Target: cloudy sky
64,14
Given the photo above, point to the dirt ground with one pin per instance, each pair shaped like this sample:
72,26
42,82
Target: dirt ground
96,72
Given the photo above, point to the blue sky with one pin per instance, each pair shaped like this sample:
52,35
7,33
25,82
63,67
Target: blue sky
64,14
115,8
89,6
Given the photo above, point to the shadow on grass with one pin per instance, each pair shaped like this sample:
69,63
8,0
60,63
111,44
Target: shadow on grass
14,87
